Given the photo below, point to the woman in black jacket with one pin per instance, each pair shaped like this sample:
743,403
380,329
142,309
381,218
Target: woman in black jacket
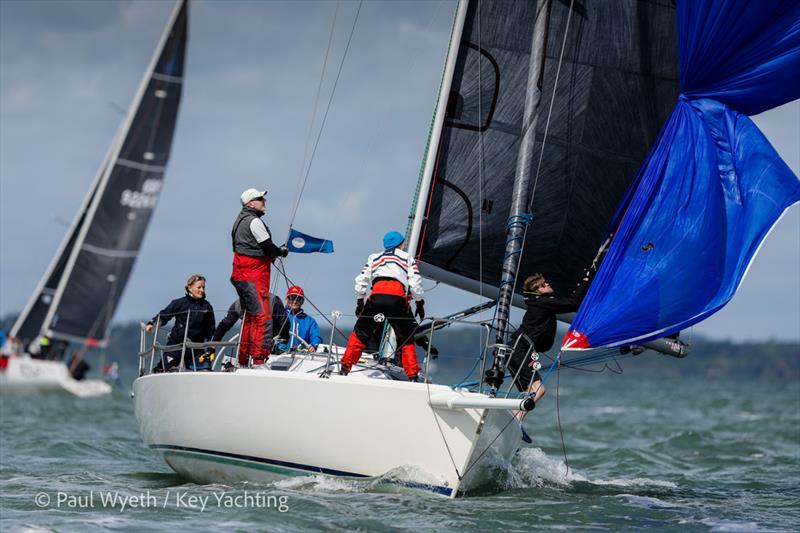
200,315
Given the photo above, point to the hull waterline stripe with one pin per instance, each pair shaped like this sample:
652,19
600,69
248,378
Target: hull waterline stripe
280,466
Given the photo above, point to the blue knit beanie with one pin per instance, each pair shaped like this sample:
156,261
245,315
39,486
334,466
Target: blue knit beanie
392,240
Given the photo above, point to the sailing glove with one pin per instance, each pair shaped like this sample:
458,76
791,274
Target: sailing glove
420,312
359,306
284,251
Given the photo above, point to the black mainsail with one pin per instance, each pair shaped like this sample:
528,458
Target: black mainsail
76,298
617,84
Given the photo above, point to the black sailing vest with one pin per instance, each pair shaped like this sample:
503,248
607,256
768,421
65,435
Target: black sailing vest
242,238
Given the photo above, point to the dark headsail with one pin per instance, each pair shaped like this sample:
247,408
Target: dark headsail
81,289
617,84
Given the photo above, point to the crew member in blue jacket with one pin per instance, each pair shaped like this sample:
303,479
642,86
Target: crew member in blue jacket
303,329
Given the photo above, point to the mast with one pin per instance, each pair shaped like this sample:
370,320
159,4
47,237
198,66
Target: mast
432,151
518,218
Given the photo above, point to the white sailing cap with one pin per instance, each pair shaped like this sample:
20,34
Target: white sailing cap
252,194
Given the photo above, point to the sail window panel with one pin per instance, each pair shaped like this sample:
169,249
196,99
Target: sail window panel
470,174
146,135
480,146
474,99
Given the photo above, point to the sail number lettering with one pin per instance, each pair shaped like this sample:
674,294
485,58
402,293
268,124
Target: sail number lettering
144,199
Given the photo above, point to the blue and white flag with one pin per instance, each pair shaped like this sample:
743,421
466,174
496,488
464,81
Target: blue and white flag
305,244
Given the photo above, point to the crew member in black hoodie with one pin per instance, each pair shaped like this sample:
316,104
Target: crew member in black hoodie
201,324
539,325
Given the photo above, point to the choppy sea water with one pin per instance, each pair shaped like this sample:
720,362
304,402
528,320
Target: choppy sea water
679,455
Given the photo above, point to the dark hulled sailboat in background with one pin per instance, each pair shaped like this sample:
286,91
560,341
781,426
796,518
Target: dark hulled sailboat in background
76,298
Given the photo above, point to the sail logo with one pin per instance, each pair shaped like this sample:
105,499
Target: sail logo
143,199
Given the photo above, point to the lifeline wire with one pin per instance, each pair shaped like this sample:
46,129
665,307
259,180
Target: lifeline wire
513,418
282,271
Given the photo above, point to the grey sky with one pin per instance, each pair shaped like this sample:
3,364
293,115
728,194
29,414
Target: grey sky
252,72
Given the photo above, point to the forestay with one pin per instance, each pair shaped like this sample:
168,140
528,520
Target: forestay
712,187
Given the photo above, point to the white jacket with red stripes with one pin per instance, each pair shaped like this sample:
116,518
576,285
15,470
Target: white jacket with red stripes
395,264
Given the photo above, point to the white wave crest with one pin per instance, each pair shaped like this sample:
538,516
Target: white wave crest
321,483
533,468
636,482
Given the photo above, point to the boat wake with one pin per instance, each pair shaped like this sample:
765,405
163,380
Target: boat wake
397,480
323,483
533,468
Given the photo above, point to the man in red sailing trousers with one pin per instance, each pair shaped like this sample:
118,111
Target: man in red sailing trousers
394,278
253,254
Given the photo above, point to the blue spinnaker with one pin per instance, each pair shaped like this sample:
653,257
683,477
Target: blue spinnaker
712,186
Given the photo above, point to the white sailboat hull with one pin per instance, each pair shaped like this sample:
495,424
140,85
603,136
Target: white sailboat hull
256,424
24,375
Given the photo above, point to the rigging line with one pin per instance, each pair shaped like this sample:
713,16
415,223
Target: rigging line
558,418
514,418
282,271
481,161
314,111
441,433
408,67
325,116
511,419
480,181
552,102
544,137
